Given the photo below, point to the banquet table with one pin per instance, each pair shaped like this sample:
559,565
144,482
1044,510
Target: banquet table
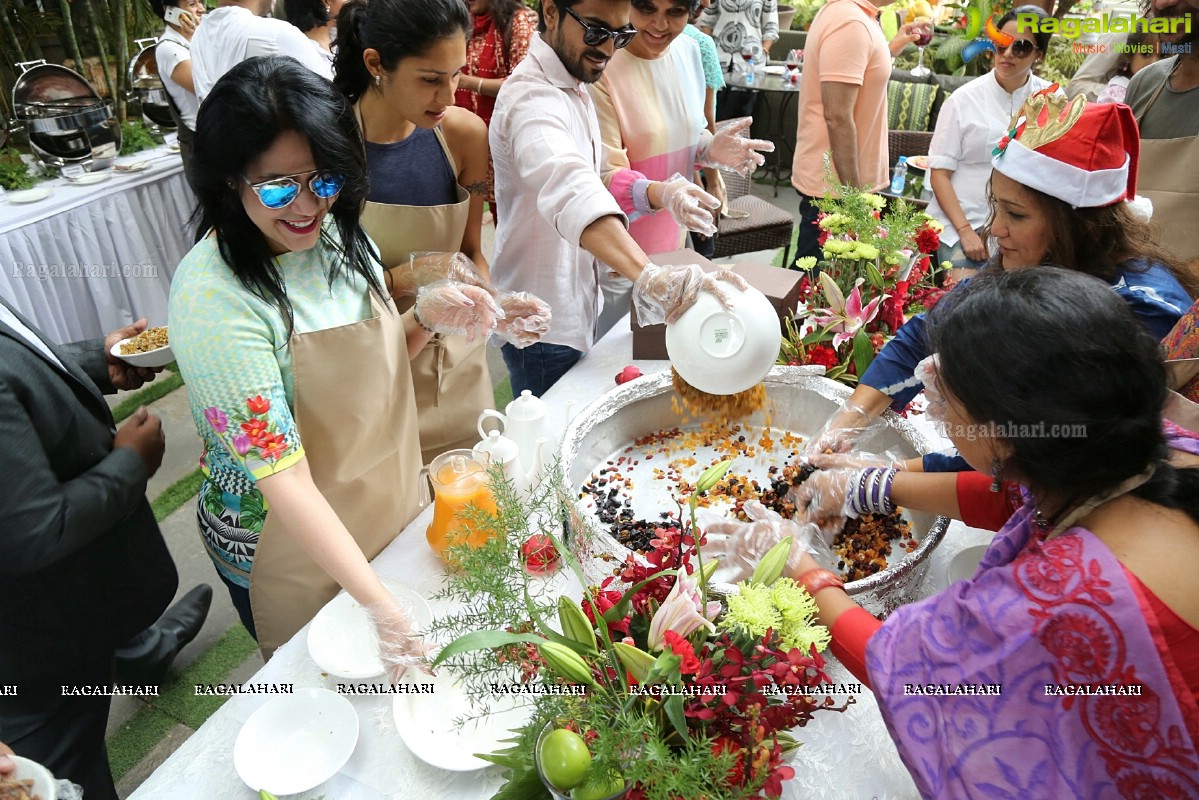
89,259
847,755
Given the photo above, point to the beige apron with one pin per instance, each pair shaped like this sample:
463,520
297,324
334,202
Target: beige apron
449,375
1168,177
1178,409
364,456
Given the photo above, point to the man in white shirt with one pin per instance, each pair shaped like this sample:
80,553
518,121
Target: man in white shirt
561,225
241,29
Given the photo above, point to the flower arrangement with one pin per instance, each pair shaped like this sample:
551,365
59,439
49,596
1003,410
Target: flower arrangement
648,688
876,272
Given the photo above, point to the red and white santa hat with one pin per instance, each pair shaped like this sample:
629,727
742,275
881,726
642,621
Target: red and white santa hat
1084,154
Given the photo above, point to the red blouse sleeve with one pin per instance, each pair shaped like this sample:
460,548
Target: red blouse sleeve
850,633
980,507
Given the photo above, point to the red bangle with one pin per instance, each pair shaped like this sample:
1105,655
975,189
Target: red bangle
816,579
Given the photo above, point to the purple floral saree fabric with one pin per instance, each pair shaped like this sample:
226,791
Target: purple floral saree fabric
1039,678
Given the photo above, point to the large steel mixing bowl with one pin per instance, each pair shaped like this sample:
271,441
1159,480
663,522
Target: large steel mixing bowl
802,401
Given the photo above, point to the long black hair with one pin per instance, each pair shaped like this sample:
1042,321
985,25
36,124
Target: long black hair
502,12
243,115
396,29
306,14
1057,359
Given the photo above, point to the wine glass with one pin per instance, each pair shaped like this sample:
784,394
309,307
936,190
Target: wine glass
794,59
752,53
923,27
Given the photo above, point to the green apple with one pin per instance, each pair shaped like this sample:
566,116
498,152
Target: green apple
565,759
598,787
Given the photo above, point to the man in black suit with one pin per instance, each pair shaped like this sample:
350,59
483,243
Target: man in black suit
83,566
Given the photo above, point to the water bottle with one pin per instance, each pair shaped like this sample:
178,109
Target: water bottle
900,178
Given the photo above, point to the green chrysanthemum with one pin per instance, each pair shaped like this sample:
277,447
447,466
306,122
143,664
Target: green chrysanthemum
752,610
796,609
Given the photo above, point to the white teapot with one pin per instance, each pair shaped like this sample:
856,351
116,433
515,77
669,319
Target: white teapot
526,421
505,452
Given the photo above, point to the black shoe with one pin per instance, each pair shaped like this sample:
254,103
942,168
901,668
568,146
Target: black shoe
143,660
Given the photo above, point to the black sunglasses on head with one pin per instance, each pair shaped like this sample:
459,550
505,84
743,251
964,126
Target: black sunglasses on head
1021,48
596,35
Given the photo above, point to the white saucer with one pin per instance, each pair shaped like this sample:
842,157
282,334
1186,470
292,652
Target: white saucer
44,785
342,642
295,742
29,195
88,178
136,166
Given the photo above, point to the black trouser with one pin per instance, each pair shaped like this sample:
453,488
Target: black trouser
809,232
733,102
64,733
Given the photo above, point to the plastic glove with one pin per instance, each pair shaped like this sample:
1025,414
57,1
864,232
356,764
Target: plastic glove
401,644
691,206
730,149
663,294
926,372
741,545
456,309
526,318
823,500
423,269
886,460
841,432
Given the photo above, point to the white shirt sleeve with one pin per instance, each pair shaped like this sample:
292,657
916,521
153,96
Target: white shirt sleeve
289,41
945,150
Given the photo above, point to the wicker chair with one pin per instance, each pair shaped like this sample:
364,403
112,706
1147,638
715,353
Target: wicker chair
766,227
908,143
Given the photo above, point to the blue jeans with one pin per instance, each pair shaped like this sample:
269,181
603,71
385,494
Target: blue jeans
241,602
538,366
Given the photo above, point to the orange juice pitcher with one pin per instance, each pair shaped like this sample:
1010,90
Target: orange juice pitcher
459,479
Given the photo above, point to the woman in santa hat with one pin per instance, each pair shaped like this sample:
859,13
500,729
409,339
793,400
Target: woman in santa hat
1062,192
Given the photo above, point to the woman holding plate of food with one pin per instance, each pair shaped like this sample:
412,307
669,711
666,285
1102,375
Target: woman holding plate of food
296,359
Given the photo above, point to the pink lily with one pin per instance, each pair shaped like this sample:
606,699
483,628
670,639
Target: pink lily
845,317
682,612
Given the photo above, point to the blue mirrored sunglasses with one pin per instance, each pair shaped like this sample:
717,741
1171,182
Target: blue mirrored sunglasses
280,192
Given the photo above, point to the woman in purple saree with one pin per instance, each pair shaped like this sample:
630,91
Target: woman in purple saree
1068,666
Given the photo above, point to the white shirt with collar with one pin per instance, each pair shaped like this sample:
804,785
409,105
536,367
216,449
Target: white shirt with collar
972,121
173,49
547,151
231,34
10,319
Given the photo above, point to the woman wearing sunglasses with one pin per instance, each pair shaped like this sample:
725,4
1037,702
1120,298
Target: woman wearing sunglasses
970,122
296,360
399,61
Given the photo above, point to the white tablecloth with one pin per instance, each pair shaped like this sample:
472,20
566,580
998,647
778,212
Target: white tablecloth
845,755
89,259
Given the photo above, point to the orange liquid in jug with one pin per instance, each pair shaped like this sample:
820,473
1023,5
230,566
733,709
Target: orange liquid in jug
449,527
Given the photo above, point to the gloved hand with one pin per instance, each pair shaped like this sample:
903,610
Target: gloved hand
857,460
730,149
401,644
663,294
926,371
423,269
456,309
526,318
691,206
841,432
823,500
741,545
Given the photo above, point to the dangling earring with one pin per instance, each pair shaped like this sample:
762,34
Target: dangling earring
378,80
996,474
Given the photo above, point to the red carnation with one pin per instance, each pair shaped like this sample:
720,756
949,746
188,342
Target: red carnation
927,240
823,355
682,648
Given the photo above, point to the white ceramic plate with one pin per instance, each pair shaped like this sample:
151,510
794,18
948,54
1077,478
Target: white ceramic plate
29,195
43,782
88,178
919,162
150,359
964,564
136,166
341,641
296,742
426,723
775,69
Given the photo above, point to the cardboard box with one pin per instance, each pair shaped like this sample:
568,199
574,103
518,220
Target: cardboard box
781,287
